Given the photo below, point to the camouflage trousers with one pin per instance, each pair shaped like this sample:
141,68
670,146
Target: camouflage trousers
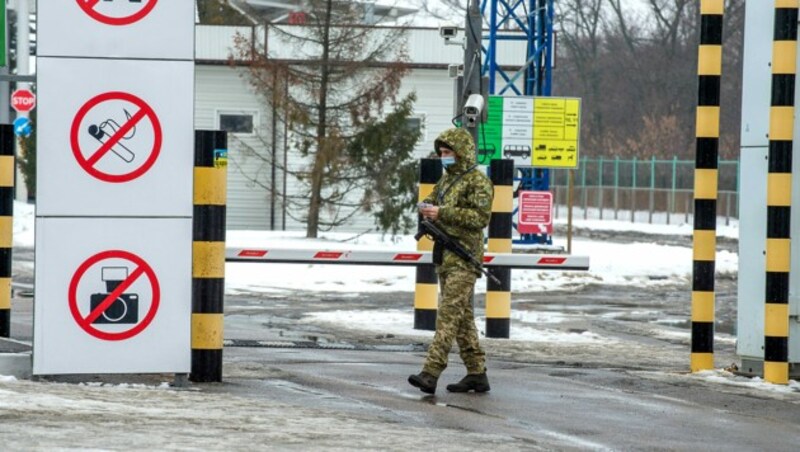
455,320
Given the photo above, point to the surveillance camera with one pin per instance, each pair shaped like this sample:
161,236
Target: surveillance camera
448,32
472,109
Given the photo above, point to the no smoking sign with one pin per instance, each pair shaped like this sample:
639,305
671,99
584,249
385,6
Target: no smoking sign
116,137
114,295
117,12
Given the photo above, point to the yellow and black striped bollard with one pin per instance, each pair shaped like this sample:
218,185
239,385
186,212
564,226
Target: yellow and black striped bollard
6,224
779,193
709,71
498,297
208,256
426,298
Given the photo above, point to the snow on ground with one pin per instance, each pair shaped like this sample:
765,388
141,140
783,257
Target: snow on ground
634,264
58,416
400,323
728,378
23,224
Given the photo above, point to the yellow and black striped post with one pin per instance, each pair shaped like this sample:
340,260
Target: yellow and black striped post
425,293
6,224
709,71
498,296
208,256
779,193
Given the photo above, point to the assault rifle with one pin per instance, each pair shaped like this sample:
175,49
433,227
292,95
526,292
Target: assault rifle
451,244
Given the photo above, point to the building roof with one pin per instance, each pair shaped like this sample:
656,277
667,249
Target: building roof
277,11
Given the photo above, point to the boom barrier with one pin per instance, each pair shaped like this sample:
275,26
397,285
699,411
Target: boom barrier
413,258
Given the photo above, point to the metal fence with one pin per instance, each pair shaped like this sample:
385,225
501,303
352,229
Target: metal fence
641,190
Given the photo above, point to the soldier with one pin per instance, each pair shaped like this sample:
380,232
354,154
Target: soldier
460,204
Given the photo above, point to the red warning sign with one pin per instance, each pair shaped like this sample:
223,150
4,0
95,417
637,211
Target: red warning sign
535,212
116,137
114,312
117,12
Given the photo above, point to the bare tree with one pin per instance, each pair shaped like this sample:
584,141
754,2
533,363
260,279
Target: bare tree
636,70
580,25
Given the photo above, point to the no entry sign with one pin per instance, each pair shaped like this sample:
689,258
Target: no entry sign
126,304
117,12
107,146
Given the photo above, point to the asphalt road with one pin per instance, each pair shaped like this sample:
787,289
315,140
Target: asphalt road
632,395
541,406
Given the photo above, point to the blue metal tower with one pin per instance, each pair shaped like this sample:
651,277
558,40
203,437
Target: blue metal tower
530,21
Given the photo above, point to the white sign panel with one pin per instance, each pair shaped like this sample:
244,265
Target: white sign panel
112,296
757,75
157,29
119,136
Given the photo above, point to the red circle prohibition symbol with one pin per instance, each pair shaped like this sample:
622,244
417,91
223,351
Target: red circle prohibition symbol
88,164
88,6
142,269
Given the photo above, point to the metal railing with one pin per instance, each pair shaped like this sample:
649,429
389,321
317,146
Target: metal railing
650,190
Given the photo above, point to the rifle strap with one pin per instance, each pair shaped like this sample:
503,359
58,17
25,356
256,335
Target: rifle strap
442,194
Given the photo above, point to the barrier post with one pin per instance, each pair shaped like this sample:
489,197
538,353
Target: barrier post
6,224
779,193
709,71
426,298
208,255
498,296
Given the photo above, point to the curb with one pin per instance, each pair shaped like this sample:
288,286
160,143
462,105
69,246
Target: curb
18,365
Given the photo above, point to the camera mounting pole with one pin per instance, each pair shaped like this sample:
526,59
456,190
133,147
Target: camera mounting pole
472,62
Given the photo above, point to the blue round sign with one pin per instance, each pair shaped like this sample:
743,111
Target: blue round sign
23,127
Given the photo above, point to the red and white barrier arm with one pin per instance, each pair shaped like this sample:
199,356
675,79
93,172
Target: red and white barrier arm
365,257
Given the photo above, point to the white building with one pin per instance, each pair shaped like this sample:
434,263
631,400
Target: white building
225,100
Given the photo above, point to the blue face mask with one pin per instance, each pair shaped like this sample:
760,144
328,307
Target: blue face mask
447,161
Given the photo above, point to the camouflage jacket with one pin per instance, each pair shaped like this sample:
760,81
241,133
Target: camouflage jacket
464,196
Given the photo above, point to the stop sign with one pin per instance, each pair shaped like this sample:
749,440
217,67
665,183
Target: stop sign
23,100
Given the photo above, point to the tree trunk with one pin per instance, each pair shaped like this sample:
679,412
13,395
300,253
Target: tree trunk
320,158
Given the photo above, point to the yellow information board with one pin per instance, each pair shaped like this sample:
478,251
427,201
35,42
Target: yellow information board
555,132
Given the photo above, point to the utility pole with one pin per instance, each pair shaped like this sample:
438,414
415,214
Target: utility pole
5,101
23,44
23,73
472,62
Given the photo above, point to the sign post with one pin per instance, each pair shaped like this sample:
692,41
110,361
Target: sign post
114,210
3,33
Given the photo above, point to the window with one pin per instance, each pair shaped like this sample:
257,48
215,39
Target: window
243,123
417,123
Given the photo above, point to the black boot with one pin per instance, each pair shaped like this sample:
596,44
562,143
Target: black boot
472,382
424,381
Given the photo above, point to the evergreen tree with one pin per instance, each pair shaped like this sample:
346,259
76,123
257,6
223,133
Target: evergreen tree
27,158
219,12
332,101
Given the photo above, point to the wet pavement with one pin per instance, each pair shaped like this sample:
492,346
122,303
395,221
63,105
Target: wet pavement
628,391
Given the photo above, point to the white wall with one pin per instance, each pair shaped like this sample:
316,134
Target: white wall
220,88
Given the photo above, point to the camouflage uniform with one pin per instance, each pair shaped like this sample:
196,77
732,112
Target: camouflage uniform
464,196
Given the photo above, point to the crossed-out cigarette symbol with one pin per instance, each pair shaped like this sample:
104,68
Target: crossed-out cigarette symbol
100,132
